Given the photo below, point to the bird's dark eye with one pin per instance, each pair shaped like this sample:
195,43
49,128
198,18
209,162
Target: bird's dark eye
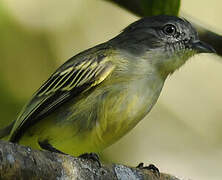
169,29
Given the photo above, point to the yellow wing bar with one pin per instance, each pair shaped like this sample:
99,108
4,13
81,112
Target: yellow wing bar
91,71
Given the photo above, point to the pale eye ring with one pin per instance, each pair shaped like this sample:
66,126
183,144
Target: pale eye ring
169,29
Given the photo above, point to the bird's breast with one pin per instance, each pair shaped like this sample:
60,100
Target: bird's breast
122,108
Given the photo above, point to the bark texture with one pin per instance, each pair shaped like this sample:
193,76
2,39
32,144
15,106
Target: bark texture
22,163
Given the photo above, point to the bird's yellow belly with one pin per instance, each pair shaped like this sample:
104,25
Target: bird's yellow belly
71,139
90,126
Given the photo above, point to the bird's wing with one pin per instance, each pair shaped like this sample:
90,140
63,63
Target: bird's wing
70,80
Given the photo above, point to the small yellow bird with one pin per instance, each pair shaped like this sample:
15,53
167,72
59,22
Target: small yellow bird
100,94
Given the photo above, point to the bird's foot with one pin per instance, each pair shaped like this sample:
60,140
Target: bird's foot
47,146
91,156
151,167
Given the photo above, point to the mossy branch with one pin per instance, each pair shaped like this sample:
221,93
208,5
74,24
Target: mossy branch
20,162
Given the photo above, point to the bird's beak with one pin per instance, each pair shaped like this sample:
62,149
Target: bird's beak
202,47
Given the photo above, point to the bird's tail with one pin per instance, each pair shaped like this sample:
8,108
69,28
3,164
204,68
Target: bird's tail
6,130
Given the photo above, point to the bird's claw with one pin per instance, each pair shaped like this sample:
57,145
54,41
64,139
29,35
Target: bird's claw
151,167
91,156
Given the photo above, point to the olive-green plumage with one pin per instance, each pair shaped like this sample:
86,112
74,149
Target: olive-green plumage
99,95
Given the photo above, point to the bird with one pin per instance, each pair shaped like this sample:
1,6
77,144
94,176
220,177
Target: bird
100,94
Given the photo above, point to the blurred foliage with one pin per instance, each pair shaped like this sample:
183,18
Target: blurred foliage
9,105
156,7
33,55
150,7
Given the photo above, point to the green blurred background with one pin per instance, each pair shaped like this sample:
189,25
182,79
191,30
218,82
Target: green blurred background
182,134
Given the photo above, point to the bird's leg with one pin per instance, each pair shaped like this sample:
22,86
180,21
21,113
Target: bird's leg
151,167
91,156
46,146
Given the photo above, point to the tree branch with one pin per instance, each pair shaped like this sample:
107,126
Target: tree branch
210,37
20,162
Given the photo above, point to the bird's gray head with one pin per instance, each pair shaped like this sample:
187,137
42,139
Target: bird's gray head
167,41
